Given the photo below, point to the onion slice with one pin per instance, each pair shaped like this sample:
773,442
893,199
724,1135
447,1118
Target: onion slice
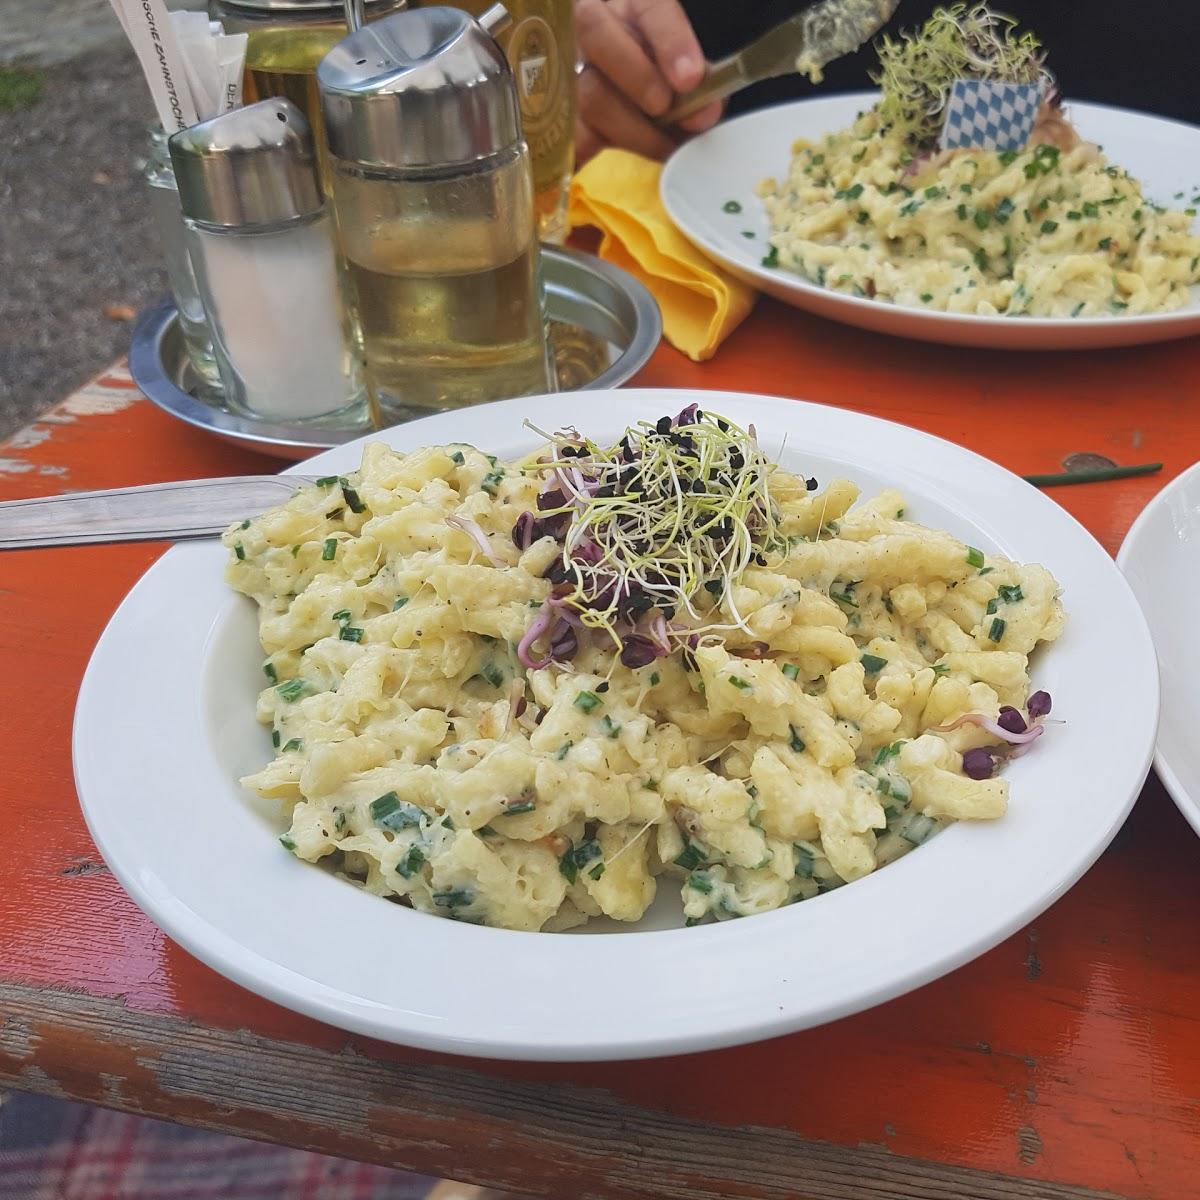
478,537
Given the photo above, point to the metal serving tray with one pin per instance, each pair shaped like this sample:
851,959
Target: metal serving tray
604,326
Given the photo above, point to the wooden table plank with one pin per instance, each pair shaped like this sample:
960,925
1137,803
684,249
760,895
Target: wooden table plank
1065,1062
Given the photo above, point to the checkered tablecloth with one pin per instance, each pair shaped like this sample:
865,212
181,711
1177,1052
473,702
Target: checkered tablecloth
55,1150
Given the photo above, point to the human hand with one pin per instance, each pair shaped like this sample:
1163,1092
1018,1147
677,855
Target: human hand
638,55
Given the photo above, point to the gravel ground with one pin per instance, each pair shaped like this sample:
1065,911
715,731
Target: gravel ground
75,234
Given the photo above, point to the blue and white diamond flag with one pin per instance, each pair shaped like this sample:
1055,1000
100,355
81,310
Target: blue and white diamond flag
990,116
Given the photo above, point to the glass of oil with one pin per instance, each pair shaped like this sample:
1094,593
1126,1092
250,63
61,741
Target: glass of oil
285,41
433,195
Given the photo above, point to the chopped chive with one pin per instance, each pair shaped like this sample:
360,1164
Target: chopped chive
327,554
992,605
412,862
886,752
796,742
996,632
983,218
295,551
804,862
1011,593
791,671
609,726
974,557
342,614
850,193
690,857
741,684
1006,157
390,812
327,481
353,502
655,678
749,233
577,858
941,669
240,551
270,673
401,601
292,689
731,206
1091,208
872,663
698,881
490,480
455,898
293,744
486,831
457,458
275,738
771,259
586,701
1073,215
962,211
493,675
1049,226
350,633
519,807
285,840
563,751
926,297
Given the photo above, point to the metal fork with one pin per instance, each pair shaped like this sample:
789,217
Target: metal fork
177,512
817,35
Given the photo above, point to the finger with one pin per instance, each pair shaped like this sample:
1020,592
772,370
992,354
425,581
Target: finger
608,44
706,118
672,42
617,120
587,143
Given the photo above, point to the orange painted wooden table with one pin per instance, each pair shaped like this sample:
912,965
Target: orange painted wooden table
1065,1063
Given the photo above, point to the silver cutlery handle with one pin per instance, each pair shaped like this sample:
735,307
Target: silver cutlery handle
721,79
194,508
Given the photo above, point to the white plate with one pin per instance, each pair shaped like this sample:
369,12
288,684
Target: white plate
1161,559
729,161
165,725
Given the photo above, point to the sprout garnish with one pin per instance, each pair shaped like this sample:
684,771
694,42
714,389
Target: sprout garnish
661,524
960,42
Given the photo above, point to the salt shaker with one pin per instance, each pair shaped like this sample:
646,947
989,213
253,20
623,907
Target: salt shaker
262,245
433,195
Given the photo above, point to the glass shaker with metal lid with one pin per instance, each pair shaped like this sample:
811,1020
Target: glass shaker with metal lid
285,41
433,196
262,245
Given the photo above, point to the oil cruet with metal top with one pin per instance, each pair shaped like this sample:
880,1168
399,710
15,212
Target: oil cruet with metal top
433,195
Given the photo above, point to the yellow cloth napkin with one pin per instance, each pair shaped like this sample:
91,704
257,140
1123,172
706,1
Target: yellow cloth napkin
702,304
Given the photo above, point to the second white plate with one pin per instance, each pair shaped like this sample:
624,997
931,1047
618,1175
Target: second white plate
729,161
1161,559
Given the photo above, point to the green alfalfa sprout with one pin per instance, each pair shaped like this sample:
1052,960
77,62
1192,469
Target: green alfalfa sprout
917,69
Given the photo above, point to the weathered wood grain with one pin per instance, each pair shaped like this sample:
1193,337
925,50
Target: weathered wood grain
448,1121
